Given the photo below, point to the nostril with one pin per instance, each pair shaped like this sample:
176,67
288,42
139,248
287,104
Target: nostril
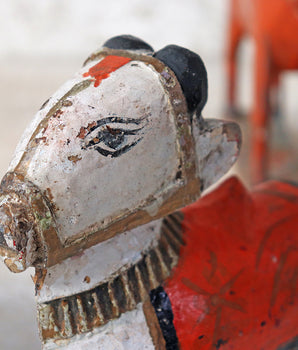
23,227
14,227
12,238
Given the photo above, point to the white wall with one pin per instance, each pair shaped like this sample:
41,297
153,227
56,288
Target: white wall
62,27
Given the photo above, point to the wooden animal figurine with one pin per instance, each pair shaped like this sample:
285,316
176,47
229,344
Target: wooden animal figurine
273,25
117,148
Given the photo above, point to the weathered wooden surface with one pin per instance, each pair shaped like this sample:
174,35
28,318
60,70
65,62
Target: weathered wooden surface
118,147
234,283
123,113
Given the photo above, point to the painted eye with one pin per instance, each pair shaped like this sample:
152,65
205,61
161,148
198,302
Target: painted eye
113,136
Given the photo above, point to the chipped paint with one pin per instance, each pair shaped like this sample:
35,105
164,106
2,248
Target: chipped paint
218,147
138,154
46,221
84,130
87,279
74,158
111,255
108,155
114,293
73,201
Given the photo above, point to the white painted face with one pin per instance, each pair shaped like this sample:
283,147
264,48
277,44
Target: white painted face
112,149
108,149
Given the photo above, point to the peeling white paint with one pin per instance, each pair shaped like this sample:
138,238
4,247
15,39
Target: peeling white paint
72,156
21,147
114,184
99,262
124,135
216,150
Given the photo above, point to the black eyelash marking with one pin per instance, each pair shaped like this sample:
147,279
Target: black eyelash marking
114,140
117,153
119,120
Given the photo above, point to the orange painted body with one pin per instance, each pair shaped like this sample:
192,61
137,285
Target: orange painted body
273,25
235,286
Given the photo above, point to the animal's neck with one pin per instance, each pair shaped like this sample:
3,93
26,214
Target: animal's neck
107,280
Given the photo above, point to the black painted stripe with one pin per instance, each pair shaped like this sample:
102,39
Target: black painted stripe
73,314
164,313
157,269
89,308
172,240
163,247
172,226
97,306
57,313
104,301
118,289
133,284
144,273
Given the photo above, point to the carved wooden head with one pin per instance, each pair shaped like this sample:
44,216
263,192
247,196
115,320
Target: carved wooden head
120,144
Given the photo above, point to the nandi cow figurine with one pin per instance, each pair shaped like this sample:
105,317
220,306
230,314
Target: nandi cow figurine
91,198
273,26
114,150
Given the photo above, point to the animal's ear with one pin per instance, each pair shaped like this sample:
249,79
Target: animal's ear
190,72
127,42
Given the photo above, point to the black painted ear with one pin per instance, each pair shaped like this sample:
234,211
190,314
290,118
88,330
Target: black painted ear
127,42
190,72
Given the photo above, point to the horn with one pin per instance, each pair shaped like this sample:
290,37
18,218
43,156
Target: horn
127,42
190,72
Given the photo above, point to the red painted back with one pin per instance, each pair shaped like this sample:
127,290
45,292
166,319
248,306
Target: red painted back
235,286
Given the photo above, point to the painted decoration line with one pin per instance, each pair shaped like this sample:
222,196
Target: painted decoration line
163,309
113,136
65,317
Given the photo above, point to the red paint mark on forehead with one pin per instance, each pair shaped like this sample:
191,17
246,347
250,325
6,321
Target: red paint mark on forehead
105,67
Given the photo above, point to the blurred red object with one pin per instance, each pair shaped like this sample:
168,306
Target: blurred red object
235,286
273,25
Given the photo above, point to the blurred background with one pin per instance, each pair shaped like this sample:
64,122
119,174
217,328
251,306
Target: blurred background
44,42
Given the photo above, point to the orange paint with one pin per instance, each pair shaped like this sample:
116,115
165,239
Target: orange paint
273,25
235,286
105,67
